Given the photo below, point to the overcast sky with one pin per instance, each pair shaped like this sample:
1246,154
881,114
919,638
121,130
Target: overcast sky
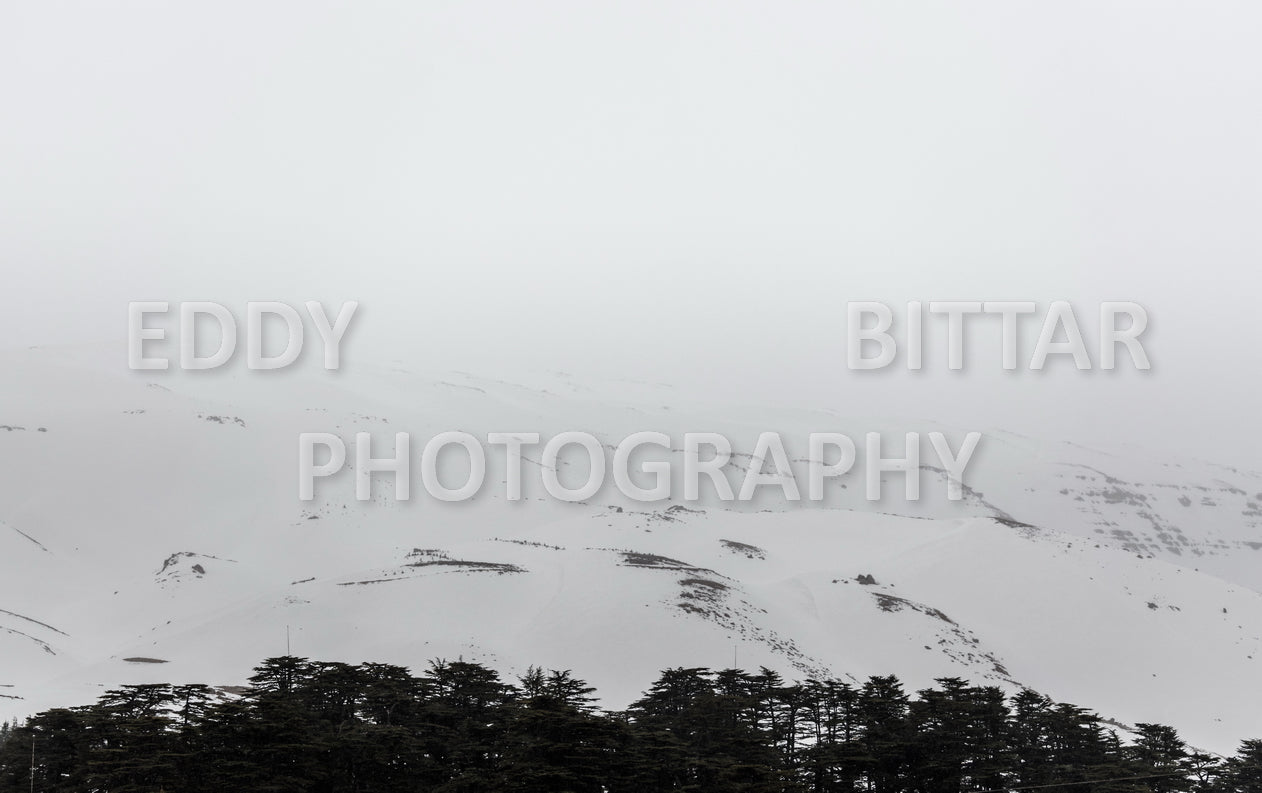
678,192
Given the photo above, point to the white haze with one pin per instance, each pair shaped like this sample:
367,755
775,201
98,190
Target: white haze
676,192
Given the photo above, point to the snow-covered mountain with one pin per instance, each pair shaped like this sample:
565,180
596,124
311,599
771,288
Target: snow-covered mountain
150,529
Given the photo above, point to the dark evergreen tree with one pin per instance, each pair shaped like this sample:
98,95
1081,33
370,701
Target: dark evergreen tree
375,728
464,721
56,743
832,758
1158,750
1243,773
554,740
284,737
886,737
133,745
703,729
960,738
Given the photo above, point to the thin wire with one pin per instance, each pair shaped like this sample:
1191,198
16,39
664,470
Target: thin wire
1083,782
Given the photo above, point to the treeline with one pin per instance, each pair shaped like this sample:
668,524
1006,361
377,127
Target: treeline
320,727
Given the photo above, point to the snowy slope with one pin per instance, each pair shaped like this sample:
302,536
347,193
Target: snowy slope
150,530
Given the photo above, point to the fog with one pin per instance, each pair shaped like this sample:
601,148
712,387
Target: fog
683,193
